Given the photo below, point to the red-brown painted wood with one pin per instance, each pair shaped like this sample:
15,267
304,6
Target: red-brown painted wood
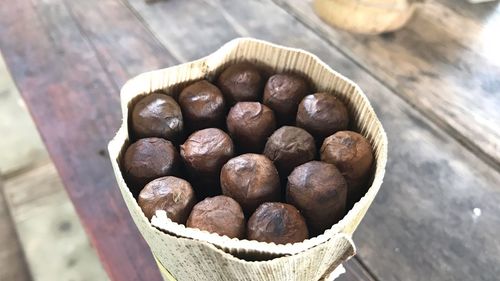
70,85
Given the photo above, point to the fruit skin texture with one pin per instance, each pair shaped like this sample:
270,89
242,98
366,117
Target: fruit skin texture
205,151
250,179
203,106
319,191
241,82
173,195
250,124
289,147
158,115
352,154
283,93
148,159
278,223
219,214
322,115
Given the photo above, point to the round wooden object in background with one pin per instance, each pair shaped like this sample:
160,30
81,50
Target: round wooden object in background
366,16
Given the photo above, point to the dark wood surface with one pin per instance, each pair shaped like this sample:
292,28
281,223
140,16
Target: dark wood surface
69,58
442,63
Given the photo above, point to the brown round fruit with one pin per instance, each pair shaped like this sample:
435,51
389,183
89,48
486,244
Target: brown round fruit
319,191
173,195
250,124
157,115
202,105
241,82
207,150
322,114
148,159
250,179
283,93
353,156
289,147
278,223
220,214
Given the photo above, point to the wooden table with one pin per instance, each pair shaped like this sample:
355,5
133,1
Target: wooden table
435,85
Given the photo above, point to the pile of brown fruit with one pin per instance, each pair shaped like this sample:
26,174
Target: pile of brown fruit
246,147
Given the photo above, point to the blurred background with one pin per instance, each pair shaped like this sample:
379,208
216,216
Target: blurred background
431,71
41,237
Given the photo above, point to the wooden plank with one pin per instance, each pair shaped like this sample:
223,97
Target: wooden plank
124,46
445,65
97,30
442,19
48,226
22,148
177,16
11,255
75,106
422,225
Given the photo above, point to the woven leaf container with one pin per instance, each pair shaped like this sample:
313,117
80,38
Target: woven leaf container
366,16
190,254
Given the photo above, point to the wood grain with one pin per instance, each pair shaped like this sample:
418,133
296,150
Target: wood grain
124,46
75,106
432,185
426,199
441,63
11,255
186,19
48,226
